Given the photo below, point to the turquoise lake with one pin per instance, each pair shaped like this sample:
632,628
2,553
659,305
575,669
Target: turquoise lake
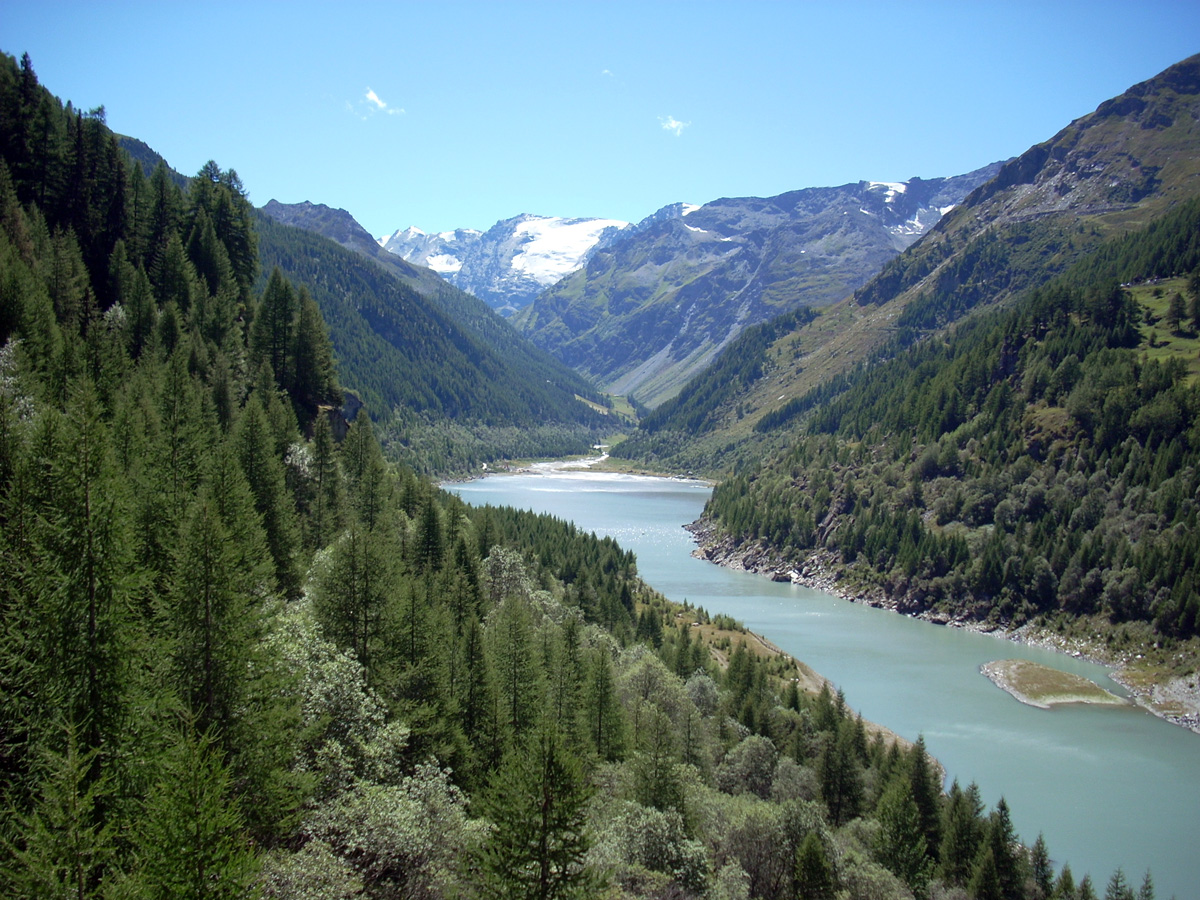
1107,787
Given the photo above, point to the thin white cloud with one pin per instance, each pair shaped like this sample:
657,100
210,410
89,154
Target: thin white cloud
607,72
374,103
673,125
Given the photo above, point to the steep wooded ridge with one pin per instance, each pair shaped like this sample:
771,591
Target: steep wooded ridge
656,306
470,314
428,360
239,659
438,364
1039,458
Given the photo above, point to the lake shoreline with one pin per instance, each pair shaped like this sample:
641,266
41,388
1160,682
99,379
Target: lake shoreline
1043,687
1174,699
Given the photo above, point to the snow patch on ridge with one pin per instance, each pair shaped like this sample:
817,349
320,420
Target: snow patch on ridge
444,263
893,188
554,247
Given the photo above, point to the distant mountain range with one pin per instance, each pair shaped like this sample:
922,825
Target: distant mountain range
1105,174
510,263
656,305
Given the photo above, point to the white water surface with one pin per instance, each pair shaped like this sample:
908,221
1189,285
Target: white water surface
1107,786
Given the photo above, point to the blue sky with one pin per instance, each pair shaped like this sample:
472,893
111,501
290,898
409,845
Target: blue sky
445,114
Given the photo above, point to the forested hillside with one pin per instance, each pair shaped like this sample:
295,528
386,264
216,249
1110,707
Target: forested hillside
454,387
1035,460
1108,173
240,659
447,381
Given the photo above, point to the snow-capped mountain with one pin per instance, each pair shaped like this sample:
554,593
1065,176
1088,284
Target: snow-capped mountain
657,304
513,261
441,252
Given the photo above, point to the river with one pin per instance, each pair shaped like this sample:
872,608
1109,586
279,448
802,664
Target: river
1108,787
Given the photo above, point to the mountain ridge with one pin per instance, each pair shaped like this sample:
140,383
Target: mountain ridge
1007,236
657,305
510,263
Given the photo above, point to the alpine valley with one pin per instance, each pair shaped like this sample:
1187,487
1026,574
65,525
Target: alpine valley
249,649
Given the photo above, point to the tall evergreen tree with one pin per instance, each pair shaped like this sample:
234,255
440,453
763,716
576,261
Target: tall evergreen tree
83,583
604,716
274,332
327,506
192,841
537,803
67,846
840,777
315,381
962,834
355,591
814,874
518,677
212,615
265,476
926,794
901,843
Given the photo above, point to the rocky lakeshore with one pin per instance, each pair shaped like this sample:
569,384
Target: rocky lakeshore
1175,699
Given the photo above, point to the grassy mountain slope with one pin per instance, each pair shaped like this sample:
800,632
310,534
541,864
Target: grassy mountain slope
656,306
1105,174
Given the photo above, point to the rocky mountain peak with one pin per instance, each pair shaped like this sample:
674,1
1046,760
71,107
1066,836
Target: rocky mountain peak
514,260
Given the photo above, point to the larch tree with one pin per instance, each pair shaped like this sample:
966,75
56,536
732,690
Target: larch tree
537,804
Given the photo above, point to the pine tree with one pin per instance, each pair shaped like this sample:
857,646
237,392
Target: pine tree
1041,870
174,277
604,716
1118,887
926,794
1064,887
66,846
273,334
566,683
191,837
655,770
430,548
537,803
314,381
901,844
83,582
265,476
814,874
985,880
518,677
1002,841
327,507
212,615
962,833
840,777
354,591
1176,312
475,696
